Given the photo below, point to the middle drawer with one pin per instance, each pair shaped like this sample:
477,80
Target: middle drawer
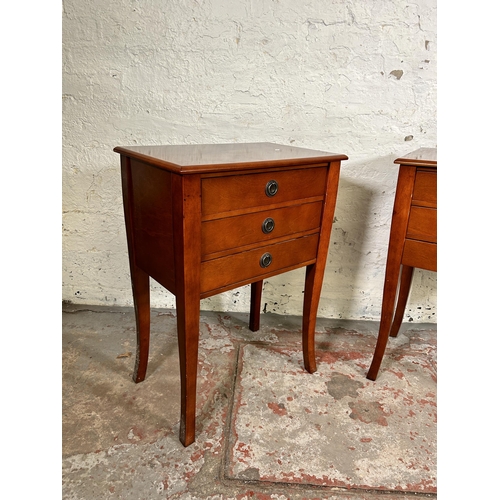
422,224
222,235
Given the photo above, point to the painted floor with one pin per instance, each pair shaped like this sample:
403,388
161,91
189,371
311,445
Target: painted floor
266,429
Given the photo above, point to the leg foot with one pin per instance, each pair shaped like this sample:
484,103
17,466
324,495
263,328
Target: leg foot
379,353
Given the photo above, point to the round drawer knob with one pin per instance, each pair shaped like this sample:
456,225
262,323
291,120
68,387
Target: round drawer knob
271,188
266,259
268,225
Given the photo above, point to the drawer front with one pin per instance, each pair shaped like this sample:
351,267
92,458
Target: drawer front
240,192
422,224
425,189
221,235
420,254
243,267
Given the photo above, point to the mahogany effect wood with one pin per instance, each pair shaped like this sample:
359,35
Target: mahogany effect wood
203,219
412,241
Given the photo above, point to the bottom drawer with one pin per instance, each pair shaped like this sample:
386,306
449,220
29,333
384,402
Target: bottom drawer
420,254
243,267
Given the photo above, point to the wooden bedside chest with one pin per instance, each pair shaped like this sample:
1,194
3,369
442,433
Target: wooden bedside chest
412,241
204,219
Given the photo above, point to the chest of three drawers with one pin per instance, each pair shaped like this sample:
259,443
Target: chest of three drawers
259,224
205,219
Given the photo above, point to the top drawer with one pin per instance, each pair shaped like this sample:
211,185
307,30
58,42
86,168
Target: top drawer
425,189
221,195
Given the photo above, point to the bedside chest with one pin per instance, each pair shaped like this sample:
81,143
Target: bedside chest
203,219
412,241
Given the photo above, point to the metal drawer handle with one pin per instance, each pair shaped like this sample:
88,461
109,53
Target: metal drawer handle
268,225
271,188
266,259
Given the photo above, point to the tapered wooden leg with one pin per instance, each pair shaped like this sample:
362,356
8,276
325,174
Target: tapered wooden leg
386,316
383,336
186,208
188,331
140,291
312,290
139,278
392,274
315,272
404,291
401,210
255,303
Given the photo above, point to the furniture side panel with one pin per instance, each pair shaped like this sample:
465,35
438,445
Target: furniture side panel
152,222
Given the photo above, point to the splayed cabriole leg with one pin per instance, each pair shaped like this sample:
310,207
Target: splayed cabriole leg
404,291
387,312
139,278
315,272
311,300
402,202
188,313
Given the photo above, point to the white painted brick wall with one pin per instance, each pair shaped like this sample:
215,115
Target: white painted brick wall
349,77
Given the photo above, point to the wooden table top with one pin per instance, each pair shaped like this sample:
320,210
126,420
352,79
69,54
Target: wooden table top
204,158
420,157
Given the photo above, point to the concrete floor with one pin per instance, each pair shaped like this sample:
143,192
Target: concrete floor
265,428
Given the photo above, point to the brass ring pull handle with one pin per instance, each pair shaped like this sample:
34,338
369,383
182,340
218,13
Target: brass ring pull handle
266,259
271,188
268,225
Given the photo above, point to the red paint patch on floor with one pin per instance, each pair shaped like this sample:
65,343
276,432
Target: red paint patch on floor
378,418
279,409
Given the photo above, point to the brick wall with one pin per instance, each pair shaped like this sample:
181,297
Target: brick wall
349,77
